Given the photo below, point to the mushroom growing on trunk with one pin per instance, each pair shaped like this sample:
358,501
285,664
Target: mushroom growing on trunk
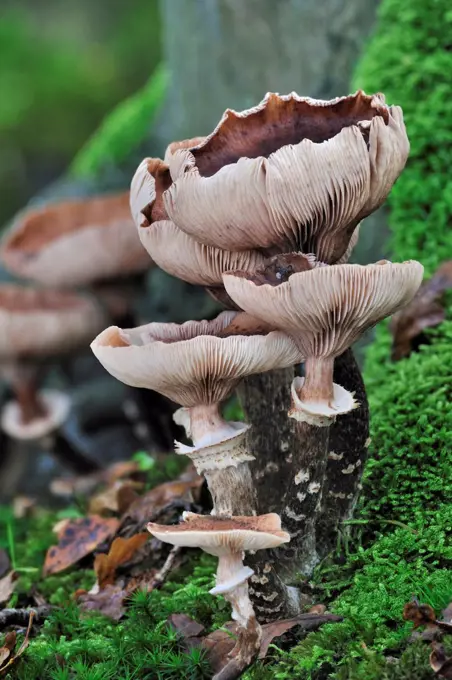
197,365
228,539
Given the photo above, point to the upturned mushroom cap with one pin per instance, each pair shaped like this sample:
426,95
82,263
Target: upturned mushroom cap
75,243
170,248
326,309
40,323
57,406
189,363
220,536
292,173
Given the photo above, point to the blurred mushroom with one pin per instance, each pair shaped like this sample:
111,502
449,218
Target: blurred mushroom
325,310
292,173
198,365
228,539
35,326
90,242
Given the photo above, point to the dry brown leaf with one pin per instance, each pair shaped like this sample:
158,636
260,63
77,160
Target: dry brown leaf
185,626
108,500
220,643
8,655
109,601
85,484
121,551
440,663
424,311
78,538
153,502
270,631
144,581
419,614
7,586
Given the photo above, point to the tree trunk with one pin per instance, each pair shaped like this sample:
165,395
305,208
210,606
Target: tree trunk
265,398
348,447
228,53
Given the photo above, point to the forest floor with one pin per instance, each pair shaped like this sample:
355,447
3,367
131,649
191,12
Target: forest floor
151,616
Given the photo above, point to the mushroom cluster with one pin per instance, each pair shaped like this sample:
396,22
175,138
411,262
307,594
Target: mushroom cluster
77,258
263,213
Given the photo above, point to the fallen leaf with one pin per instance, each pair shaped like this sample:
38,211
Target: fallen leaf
419,614
424,311
77,539
7,585
220,643
185,626
143,581
5,563
109,601
440,663
108,500
8,655
122,550
153,502
86,484
273,630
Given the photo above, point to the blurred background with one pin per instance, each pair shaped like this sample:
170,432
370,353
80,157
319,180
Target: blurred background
87,89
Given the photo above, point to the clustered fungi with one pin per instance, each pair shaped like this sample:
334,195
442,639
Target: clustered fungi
72,255
263,213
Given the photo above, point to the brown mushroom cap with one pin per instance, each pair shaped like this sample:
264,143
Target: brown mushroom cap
327,309
75,243
220,536
189,363
41,323
292,173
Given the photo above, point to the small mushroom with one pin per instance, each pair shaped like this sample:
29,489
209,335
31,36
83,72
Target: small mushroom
228,539
75,243
35,326
197,365
325,310
291,173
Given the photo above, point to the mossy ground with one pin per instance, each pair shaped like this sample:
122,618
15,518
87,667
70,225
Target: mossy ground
400,542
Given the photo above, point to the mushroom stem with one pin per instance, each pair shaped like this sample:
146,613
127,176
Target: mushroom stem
318,383
220,454
232,583
27,396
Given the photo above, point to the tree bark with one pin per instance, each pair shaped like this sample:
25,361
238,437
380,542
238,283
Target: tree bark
228,53
265,399
348,448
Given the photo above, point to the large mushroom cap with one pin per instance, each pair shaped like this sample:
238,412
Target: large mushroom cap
220,536
75,243
41,323
190,363
327,308
292,173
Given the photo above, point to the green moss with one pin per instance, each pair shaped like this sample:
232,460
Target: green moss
123,130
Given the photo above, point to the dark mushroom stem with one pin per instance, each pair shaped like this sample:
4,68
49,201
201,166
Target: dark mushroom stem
24,385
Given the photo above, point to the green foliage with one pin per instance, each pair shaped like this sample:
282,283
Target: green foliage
123,129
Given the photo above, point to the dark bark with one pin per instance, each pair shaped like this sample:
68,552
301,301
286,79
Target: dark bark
21,617
266,399
232,490
348,448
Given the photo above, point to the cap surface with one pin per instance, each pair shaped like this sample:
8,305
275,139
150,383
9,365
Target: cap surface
40,323
292,173
190,363
57,405
218,535
328,308
75,243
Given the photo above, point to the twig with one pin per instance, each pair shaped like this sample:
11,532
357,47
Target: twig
20,617
160,577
